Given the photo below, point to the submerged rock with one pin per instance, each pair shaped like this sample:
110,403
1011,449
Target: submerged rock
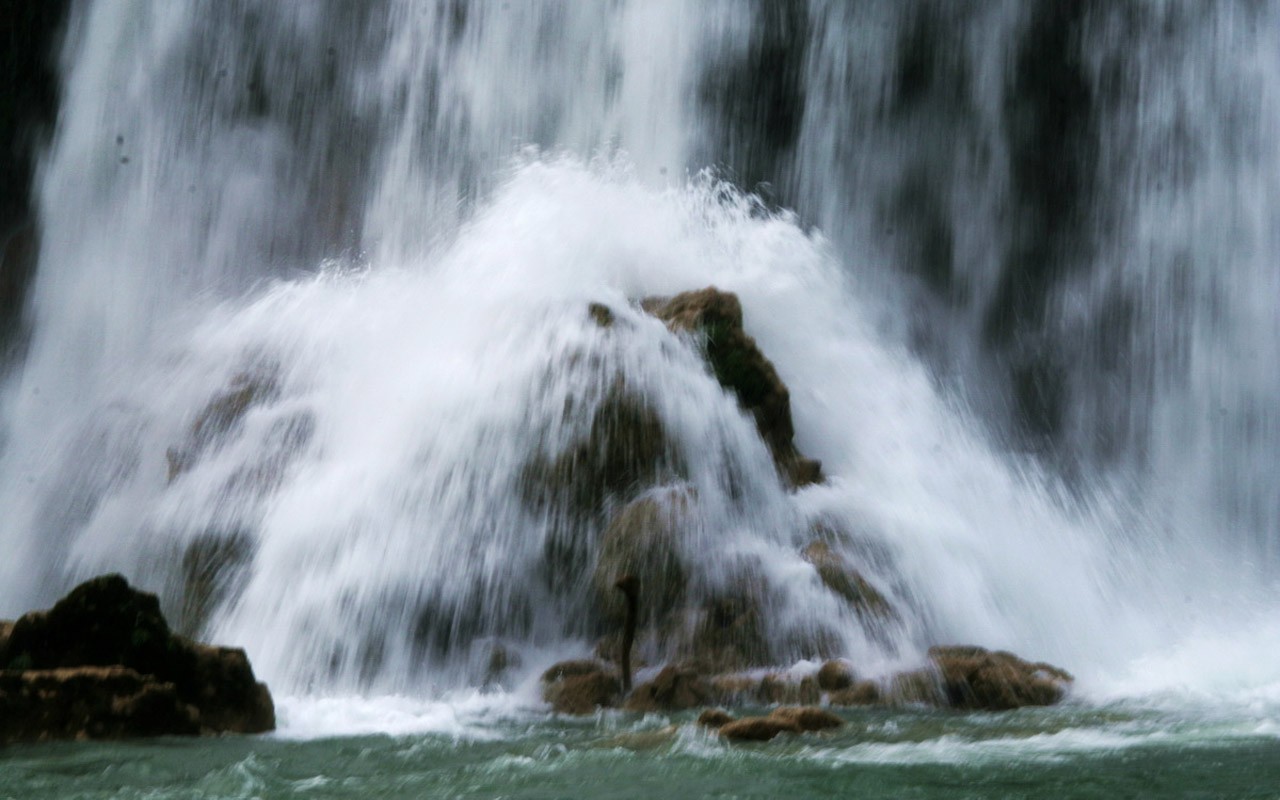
741,368
105,623
808,718
758,729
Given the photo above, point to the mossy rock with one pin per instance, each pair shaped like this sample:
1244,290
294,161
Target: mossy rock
644,540
848,584
737,363
222,416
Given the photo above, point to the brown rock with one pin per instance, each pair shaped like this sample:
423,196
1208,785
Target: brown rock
734,689
602,314
915,687
741,368
673,689
213,567
583,693
569,669
846,582
222,415
757,729
808,718
106,623
714,718
862,693
90,703
979,679
643,540
835,675
775,688
732,635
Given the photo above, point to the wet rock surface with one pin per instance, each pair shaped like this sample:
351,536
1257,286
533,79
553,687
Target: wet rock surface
741,368
580,687
149,681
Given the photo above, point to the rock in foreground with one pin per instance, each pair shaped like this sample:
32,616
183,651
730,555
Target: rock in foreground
103,664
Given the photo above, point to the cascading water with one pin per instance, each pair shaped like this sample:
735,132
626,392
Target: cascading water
313,290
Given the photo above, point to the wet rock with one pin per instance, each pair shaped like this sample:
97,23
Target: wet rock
862,693
212,566
914,688
643,540
714,718
731,634
807,718
834,676
847,583
222,416
90,703
974,678
580,687
779,689
499,662
757,729
734,690
602,314
673,689
571,669
741,368
104,622
624,452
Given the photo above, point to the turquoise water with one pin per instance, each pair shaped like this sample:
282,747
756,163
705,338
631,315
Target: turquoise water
1112,752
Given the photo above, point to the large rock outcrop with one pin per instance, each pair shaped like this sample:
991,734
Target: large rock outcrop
149,681
741,368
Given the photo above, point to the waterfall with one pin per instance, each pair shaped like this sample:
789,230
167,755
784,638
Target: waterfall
310,325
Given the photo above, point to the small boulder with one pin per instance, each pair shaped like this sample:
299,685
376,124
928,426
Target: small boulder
602,314
835,675
974,678
780,689
714,718
673,689
757,729
862,693
808,718
580,687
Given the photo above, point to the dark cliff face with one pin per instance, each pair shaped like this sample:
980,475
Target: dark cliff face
753,96
30,31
